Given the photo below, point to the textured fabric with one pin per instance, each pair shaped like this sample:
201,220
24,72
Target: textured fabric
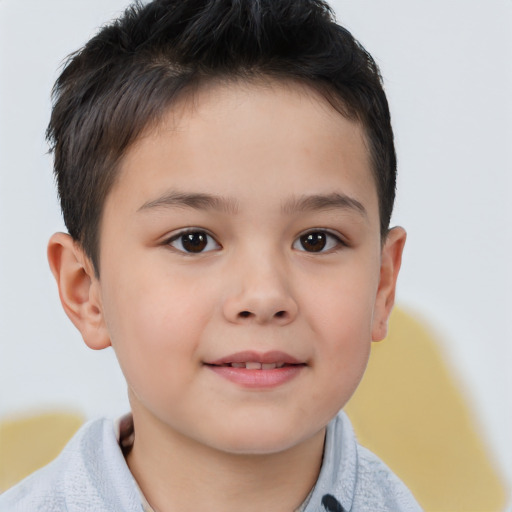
353,479
91,475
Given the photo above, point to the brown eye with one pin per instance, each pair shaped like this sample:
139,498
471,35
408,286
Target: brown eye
313,242
194,242
317,241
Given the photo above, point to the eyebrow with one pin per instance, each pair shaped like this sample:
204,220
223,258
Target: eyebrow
334,201
196,201
202,201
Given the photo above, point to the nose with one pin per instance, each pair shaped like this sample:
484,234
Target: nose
260,292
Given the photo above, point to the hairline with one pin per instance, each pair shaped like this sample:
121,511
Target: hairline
186,95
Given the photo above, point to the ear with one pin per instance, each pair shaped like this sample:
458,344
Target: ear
391,260
79,289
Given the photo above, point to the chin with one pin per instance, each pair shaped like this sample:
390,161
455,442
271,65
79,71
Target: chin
261,441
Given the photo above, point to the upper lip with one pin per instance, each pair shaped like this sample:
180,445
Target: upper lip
274,356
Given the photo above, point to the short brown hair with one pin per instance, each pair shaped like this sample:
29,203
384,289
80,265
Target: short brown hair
130,73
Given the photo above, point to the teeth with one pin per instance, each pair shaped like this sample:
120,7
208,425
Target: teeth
253,365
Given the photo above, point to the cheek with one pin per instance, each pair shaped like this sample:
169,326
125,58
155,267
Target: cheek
155,324
344,343
342,354
341,307
342,325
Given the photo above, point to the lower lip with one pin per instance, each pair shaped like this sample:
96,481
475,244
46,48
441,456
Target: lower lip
261,379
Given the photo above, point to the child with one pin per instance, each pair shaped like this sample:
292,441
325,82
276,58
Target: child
226,172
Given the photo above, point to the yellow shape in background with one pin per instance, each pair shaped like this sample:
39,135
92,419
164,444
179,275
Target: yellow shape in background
31,442
409,411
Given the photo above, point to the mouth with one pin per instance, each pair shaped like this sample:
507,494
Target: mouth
257,361
254,365
256,371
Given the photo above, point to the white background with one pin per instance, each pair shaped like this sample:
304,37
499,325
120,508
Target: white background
447,67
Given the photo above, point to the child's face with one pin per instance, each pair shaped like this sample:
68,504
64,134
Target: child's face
244,229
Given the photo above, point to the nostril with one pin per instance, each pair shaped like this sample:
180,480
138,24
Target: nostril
249,314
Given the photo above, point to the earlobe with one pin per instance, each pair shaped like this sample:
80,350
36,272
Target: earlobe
79,289
391,260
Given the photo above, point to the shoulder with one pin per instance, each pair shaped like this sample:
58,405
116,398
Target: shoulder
378,488
354,479
90,474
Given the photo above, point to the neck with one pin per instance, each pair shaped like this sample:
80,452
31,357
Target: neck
177,473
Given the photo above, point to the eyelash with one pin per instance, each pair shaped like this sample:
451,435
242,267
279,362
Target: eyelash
332,240
203,240
180,238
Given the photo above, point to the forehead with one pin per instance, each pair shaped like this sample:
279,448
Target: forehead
250,138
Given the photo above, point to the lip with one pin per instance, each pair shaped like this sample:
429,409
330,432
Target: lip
262,379
274,356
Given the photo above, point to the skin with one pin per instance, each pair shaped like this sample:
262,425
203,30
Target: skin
260,152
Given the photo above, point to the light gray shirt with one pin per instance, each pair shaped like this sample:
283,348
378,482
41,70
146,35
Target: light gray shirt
91,475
